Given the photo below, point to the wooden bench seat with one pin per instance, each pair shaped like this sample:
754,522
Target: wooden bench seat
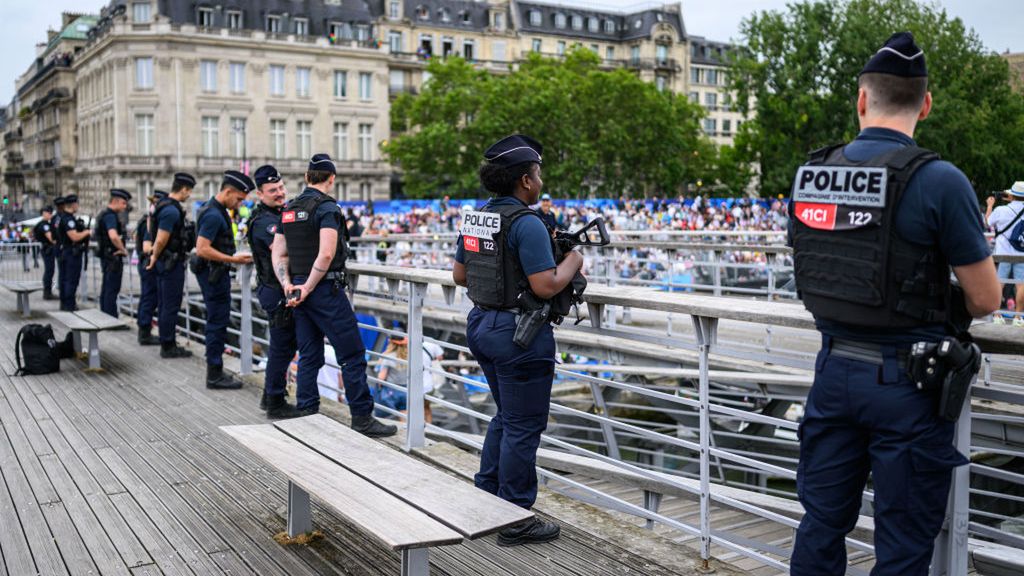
403,503
91,322
22,288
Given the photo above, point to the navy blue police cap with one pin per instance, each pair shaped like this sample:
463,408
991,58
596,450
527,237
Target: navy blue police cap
238,181
71,199
899,56
185,178
322,163
514,149
59,201
159,194
46,209
119,193
267,174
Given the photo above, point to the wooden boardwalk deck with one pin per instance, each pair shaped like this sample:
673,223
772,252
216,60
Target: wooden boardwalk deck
125,472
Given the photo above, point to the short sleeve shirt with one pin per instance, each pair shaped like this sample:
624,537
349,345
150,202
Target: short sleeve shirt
211,223
528,237
327,215
168,218
1000,220
109,222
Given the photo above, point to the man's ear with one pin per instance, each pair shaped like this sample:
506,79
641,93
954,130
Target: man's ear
926,106
862,102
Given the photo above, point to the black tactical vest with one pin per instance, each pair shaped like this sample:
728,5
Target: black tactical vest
183,237
102,238
302,235
225,240
851,266
38,234
263,217
494,276
57,229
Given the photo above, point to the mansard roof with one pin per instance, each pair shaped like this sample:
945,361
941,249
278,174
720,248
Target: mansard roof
628,25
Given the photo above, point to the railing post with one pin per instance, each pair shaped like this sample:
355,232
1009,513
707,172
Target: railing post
717,263
245,326
415,433
950,556
706,330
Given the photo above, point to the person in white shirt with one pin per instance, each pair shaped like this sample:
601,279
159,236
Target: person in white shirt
1004,220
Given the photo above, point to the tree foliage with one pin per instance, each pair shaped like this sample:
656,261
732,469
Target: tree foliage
798,78
604,132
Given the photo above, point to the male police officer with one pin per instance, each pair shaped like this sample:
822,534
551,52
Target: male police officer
505,253
547,214
263,225
110,237
215,253
57,229
309,260
43,234
875,226
173,241
149,293
75,236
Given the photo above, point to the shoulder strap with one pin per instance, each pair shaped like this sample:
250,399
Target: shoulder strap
818,156
17,353
1010,225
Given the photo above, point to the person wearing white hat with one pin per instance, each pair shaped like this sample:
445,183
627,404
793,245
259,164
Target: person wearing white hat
1007,222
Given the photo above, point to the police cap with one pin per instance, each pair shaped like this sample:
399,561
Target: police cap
184,178
266,174
119,193
46,209
71,199
159,194
900,56
238,181
322,163
59,201
515,149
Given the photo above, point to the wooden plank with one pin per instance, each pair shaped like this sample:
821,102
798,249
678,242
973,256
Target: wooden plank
24,286
162,552
72,548
230,563
17,556
101,319
25,456
395,523
72,321
453,502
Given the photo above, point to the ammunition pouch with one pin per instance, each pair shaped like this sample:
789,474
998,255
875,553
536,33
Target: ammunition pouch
196,264
948,366
283,317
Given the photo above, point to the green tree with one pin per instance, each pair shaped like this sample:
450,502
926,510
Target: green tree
797,76
604,132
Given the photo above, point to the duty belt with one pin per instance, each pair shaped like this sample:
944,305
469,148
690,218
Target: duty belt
336,276
866,351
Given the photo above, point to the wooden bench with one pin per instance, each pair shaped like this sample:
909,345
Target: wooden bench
403,503
92,322
23,288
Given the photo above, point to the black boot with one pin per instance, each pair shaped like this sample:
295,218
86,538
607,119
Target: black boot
172,350
216,379
278,407
49,296
533,531
369,426
263,401
146,337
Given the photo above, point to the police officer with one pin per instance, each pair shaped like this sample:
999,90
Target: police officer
215,253
309,254
57,229
149,294
547,214
174,239
263,223
900,218
110,237
43,234
504,251
75,237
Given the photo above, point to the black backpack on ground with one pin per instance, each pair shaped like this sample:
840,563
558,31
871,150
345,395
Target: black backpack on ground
38,351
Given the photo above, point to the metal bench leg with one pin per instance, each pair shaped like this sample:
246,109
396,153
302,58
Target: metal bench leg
416,562
23,305
300,515
76,341
94,351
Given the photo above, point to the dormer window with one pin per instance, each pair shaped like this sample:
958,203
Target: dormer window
301,27
559,20
609,27
467,18
423,13
274,24
204,17
535,18
639,22
444,15
577,22
592,24
234,18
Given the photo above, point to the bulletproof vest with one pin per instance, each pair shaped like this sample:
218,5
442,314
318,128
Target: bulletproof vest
65,239
851,266
225,240
140,232
263,217
57,228
302,235
103,240
182,238
494,276
38,234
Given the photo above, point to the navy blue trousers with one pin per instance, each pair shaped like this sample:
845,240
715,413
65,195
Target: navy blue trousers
113,270
71,273
861,418
327,312
520,382
283,345
49,257
171,281
149,294
217,297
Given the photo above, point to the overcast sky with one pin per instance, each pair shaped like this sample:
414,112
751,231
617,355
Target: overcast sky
24,24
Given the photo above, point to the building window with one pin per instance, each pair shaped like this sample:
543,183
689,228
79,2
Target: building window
559,20
234,18
535,18
467,18
144,73
537,45
144,132
365,86
340,84
237,77
593,24
274,24
396,81
341,141
302,83
726,126
447,46
712,77
709,125
695,75
366,142
277,80
660,83
498,51
595,49
304,138
609,53
711,100
211,188
423,12
142,12
204,17
661,54
277,132
577,22
145,188
426,45
208,75
634,54
362,32
609,27
469,50
340,30
211,136
301,27
695,97
444,14
395,42
341,190
238,138
499,20
365,191
560,47
395,9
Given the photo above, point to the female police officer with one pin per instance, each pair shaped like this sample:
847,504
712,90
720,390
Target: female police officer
504,252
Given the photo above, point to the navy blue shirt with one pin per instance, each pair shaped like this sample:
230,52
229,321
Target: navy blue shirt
211,224
263,227
528,237
168,218
108,222
938,208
